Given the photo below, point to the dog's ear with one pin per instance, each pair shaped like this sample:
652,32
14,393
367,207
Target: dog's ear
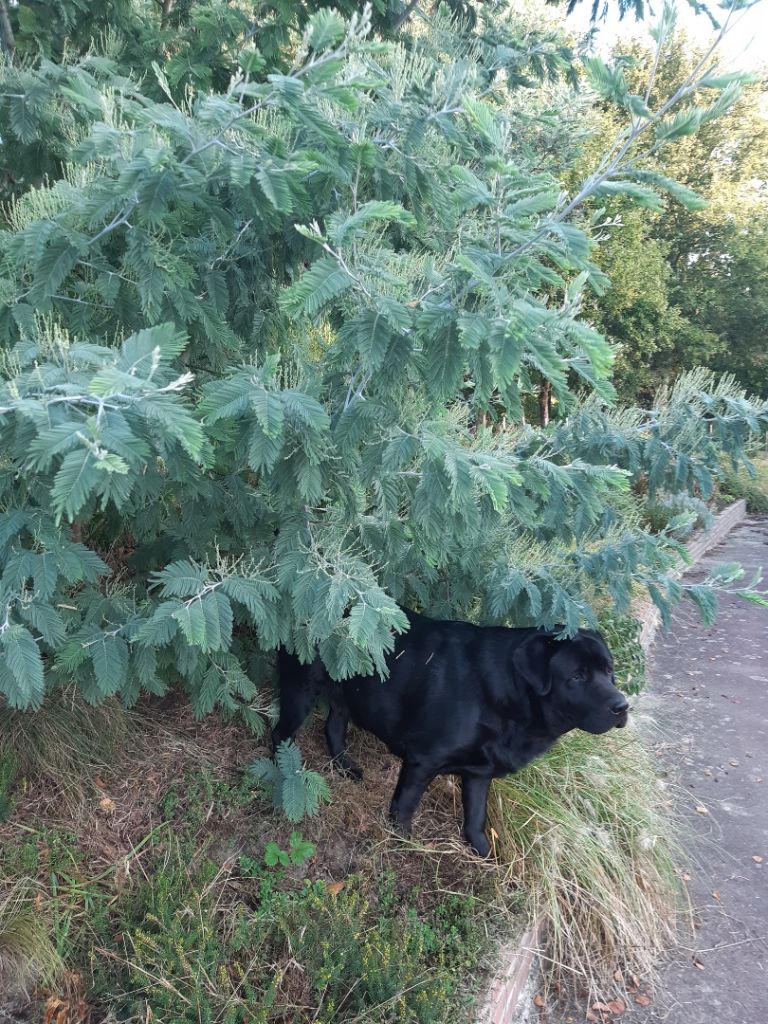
530,662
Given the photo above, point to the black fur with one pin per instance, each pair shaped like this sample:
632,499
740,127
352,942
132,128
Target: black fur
474,701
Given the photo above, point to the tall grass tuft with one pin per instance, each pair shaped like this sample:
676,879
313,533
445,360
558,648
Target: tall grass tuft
27,954
65,741
586,833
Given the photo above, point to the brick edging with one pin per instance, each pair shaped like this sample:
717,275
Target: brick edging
503,1004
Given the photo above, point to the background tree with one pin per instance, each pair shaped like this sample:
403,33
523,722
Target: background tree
705,305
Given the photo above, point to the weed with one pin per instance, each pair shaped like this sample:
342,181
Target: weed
194,953
298,852
202,795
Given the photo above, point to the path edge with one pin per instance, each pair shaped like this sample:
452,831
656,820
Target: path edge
509,998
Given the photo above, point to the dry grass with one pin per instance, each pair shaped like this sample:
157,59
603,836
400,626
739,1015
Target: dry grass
27,955
586,832
122,809
65,743
582,836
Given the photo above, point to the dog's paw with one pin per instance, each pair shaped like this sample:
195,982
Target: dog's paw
479,844
346,766
403,828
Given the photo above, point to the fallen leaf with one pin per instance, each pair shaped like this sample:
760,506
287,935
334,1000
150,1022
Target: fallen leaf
635,979
617,1006
618,976
335,887
538,999
716,894
757,858
601,1007
686,878
698,964
592,1017
701,809
643,1000
107,805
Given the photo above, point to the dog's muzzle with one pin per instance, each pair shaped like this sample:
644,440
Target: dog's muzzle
620,709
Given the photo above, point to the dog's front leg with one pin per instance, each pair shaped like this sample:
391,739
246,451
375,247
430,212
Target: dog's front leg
414,779
474,797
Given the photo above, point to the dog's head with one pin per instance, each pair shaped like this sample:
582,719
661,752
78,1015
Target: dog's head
575,678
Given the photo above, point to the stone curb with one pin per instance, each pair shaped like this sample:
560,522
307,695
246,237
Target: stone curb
650,617
509,999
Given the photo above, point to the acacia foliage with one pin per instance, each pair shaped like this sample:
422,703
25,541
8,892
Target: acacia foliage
248,336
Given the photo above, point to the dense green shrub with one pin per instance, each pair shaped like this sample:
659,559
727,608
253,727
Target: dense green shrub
251,332
335,956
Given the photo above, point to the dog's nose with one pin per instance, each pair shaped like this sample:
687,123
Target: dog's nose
620,705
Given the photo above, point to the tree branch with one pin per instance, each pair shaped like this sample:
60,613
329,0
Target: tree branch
7,41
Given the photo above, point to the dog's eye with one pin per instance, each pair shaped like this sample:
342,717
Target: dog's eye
578,676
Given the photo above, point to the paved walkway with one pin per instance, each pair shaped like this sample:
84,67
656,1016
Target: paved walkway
708,691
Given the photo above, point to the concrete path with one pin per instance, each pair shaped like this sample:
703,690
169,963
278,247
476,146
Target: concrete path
708,691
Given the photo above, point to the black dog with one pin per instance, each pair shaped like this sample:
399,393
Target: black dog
474,701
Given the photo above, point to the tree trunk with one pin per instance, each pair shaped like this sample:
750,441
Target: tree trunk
7,41
545,393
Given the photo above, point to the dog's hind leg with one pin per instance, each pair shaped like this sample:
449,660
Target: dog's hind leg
413,780
474,793
336,737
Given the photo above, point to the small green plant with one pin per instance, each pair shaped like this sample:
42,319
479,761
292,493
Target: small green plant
295,789
194,951
299,852
622,634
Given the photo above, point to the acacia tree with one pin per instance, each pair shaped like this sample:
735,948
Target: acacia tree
248,335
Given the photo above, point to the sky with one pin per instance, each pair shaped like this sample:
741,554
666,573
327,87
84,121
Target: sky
745,46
